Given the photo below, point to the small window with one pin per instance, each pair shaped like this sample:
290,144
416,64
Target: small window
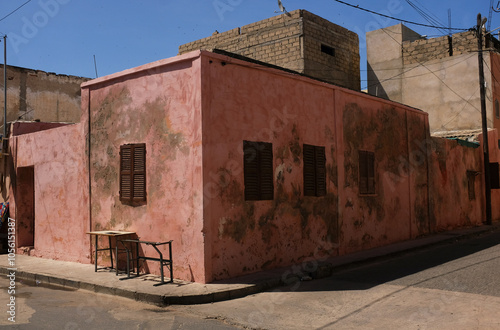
497,109
366,172
314,170
328,50
258,170
495,175
471,182
133,173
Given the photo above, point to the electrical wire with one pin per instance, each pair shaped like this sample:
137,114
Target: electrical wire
12,12
399,19
410,69
428,17
442,81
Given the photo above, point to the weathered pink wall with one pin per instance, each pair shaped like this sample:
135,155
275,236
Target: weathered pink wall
158,104
396,134
241,103
193,113
450,203
494,154
61,191
271,106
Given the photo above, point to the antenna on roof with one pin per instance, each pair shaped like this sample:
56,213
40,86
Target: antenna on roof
95,66
449,22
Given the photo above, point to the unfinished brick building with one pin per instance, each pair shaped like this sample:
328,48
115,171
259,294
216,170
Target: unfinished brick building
298,41
40,95
437,75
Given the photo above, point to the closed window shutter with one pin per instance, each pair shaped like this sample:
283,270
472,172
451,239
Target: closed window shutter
494,176
309,170
366,172
314,170
320,171
125,173
251,171
258,170
266,172
133,173
139,182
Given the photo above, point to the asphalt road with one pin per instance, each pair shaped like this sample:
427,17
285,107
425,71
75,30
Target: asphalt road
452,286
39,307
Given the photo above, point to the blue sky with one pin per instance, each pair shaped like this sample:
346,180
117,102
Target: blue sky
63,36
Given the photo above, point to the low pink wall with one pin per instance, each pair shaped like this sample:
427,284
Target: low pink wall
450,204
61,191
20,128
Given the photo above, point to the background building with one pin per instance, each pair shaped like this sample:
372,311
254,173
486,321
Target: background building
38,95
299,41
438,75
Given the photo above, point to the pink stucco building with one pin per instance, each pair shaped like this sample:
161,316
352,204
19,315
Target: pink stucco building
245,167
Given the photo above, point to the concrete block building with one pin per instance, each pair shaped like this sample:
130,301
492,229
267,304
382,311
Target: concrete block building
298,41
437,75
39,95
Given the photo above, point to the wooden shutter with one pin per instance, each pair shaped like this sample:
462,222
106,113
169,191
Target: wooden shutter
258,170
251,170
308,155
125,173
366,172
320,171
139,176
266,171
314,170
363,173
495,175
370,159
133,173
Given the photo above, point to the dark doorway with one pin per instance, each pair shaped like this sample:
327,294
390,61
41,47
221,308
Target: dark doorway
25,206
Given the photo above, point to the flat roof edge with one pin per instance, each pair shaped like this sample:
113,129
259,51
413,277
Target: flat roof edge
144,67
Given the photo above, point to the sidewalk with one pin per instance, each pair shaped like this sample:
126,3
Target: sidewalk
82,276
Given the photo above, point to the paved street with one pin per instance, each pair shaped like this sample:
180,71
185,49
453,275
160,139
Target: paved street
452,286
39,307
455,286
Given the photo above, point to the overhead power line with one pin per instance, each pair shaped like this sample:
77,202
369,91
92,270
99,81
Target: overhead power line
399,19
12,12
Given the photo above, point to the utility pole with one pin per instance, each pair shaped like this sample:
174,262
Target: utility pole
4,89
487,176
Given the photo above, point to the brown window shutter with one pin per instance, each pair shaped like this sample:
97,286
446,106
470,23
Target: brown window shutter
125,173
363,172
495,175
133,173
139,166
371,172
366,172
251,170
308,156
266,172
320,171
258,170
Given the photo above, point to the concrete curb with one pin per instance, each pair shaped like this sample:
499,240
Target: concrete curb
268,281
